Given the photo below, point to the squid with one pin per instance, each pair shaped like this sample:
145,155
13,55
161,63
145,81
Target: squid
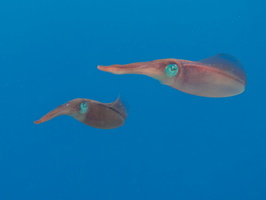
221,75
92,113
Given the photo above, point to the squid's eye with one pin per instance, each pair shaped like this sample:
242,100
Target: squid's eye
171,70
83,107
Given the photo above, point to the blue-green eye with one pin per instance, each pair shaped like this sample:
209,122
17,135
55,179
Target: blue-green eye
83,107
171,70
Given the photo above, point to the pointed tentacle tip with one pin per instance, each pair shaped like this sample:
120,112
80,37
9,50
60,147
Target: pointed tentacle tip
37,122
100,67
107,69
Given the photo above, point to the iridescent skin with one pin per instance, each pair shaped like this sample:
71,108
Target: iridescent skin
218,76
92,113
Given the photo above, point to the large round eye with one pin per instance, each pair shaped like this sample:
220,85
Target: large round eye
83,107
171,70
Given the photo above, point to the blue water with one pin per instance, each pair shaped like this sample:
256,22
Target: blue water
173,145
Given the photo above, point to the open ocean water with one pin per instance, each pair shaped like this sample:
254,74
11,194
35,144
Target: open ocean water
173,146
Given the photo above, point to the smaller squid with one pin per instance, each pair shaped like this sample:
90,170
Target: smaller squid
92,113
221,75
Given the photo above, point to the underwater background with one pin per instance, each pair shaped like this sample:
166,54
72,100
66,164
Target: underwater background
173,145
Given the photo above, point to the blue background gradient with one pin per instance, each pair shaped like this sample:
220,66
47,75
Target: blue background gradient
173,145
